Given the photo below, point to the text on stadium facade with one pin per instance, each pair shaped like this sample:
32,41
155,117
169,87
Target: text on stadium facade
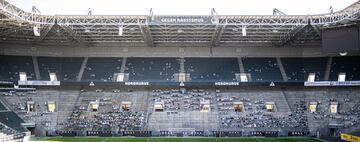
137,83
182,20
333,83
226,83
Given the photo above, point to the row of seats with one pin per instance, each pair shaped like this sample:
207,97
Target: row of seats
12,65
262,69
102,69
212,69
12,120
163,69
350,65
2,107
297,69
65,68
157,110
155,69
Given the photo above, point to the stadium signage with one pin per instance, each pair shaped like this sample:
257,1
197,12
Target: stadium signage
5,82
137,83
333,83
322,83
226,83
39,83
345,83
181,20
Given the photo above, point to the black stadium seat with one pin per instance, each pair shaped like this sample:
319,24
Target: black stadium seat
12,65
152,69
101,69
212,69
66,69
297,69
349,65
262,69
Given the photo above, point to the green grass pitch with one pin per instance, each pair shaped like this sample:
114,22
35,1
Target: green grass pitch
124,139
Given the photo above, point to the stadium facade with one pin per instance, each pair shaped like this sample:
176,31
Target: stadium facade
179,75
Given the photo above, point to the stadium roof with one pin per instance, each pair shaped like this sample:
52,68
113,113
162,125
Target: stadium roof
181,7
213,30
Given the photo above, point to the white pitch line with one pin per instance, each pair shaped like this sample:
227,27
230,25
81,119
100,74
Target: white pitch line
105,140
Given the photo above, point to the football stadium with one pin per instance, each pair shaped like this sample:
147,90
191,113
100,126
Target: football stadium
179,78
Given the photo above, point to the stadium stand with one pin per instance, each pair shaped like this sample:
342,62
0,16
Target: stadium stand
212,69
349,65
163,69
315,65
179,75
70,68
2,107
5,130
183,109
72,110
262,69
347,115
12,120
66,69
49,65
297,69
108,121
255,113
101,69
6,133
152,69
12,65
294,68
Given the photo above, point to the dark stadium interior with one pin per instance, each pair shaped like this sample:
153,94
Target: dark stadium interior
262,69
10,70
152,69
350,65
297,69
101,69
212,69
163,69
66,68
